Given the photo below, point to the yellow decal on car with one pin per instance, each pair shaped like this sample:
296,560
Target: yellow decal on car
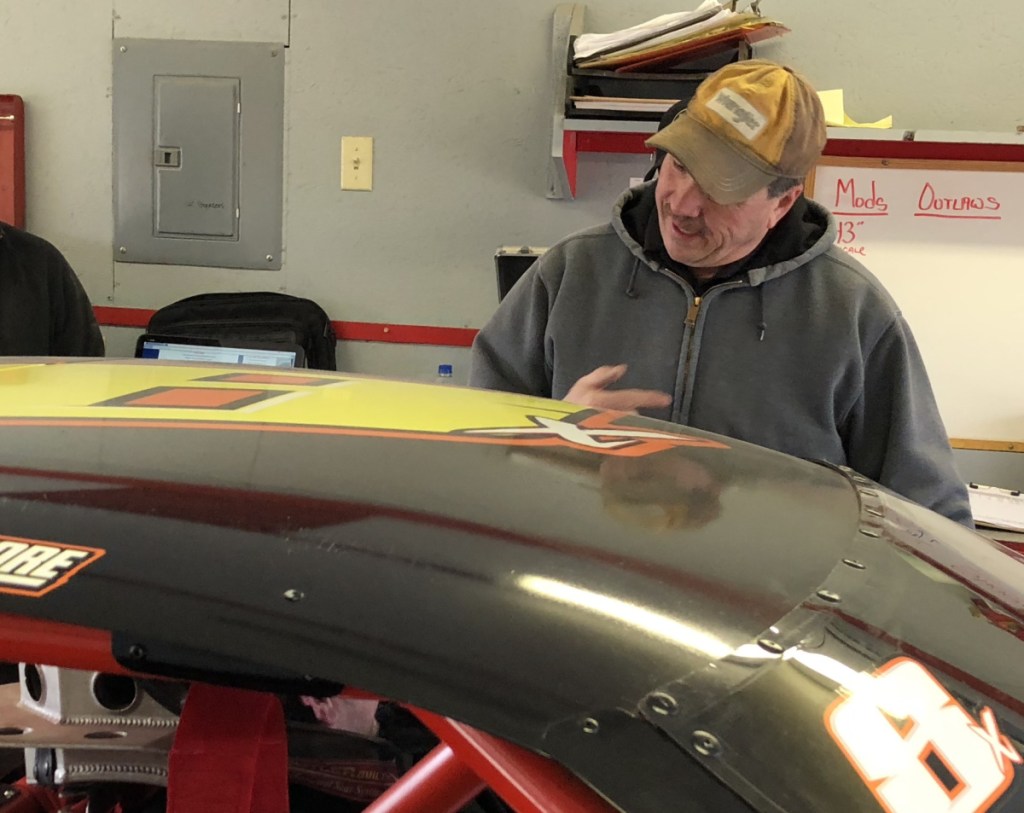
312,402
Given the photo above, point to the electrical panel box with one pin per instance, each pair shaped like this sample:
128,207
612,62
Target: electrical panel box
198,152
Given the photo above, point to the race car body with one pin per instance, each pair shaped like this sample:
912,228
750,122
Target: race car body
671,620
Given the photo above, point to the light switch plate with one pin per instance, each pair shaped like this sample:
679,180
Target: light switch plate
357,163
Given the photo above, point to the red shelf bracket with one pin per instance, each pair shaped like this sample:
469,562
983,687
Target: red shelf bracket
12,160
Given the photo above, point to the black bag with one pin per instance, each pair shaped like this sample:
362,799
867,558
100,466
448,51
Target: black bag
254,316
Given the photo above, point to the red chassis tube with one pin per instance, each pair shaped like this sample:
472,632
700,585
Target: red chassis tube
30,640
21,797
439,783
466,761
526,781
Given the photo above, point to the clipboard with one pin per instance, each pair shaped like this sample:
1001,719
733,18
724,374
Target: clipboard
997,507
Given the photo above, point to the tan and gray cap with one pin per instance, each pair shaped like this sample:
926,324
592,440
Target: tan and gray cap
747,124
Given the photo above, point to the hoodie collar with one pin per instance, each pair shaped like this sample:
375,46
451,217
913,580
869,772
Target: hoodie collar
807,230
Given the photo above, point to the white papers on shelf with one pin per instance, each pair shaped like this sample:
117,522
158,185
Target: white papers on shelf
588,45
621,103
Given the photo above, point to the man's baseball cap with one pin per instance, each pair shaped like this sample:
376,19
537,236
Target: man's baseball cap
747,124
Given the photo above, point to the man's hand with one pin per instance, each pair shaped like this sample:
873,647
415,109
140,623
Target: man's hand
592,390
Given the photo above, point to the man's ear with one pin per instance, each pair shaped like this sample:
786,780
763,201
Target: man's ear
652,173
783,203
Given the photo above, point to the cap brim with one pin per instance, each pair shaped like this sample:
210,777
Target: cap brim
722,172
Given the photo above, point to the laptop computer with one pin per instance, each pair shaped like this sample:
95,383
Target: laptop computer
224,351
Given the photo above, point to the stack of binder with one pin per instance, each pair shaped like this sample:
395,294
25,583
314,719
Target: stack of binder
641,71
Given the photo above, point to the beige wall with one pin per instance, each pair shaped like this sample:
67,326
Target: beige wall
455,95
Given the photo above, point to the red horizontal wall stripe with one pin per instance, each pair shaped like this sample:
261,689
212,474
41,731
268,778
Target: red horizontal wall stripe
931,150
346,331
122,317
405,334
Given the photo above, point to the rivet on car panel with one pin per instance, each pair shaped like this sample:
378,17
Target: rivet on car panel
663,704
769,645
706,743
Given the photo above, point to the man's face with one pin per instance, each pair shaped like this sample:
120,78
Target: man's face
700,233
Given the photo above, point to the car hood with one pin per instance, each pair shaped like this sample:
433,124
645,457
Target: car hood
573,580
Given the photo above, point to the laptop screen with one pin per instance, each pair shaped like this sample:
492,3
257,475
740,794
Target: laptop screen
189,348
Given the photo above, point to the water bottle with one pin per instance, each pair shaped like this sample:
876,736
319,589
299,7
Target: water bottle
444,374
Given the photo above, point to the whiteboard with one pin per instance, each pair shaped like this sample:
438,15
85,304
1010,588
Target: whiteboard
946,239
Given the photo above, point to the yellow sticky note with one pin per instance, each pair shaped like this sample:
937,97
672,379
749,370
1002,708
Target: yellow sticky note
832,102
835,113
881,124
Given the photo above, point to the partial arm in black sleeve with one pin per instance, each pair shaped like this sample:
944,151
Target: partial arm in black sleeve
74,331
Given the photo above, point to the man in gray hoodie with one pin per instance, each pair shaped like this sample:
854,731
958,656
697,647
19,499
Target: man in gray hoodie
716,298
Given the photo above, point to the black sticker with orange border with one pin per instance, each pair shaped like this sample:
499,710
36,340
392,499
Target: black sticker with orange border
32,567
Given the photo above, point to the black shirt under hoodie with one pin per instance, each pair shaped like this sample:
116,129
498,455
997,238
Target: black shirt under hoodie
788,238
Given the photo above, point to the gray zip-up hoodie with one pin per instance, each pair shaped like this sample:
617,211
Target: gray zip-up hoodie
802,351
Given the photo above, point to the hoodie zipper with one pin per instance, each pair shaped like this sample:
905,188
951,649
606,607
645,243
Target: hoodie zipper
691,327
690,332
692,315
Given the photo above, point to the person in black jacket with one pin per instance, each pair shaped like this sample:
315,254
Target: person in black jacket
44,310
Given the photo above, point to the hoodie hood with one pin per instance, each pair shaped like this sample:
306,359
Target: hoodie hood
807,230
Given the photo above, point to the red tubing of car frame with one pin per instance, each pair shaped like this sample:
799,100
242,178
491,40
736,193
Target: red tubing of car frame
438,783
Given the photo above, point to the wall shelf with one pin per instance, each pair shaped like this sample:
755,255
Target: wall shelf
589,131
571,136
599,135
